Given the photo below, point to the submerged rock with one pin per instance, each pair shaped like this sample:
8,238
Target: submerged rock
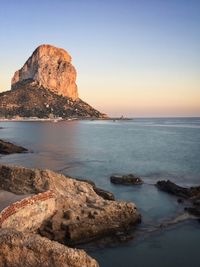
22,249
7,148
129,179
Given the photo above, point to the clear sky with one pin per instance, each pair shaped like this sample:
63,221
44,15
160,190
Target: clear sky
133,57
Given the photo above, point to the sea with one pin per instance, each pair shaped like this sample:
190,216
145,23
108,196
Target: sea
152,148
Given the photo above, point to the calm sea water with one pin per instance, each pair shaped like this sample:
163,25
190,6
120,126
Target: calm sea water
152,148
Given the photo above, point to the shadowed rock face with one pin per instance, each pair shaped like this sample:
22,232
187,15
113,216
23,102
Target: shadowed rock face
7,148
49,67
19,249
192,194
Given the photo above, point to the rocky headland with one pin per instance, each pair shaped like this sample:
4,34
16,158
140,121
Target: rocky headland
45,87
61,209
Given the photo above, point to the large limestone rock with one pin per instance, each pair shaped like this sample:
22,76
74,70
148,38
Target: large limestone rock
19,249
81,214
45,87
49,67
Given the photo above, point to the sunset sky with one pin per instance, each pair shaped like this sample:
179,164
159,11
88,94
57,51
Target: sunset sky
133,57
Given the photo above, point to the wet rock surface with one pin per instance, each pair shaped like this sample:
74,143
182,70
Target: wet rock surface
129,179
174,189
7,148
191,194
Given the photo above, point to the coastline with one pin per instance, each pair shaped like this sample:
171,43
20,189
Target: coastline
167,220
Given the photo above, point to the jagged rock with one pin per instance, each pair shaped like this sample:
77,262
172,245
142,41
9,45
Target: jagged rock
101,192
30,250
49,67
191,194
129,179
7,148
174,189
45,87
104,193
81,214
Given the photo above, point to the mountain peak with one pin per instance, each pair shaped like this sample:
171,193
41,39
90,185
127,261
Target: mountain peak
49,67
45,87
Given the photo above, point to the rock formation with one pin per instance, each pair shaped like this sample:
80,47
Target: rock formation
45,87
81,215
28,101
7,148
129,179
18,249
49,67
191,194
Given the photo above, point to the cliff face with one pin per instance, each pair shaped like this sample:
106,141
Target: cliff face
45,87
49,67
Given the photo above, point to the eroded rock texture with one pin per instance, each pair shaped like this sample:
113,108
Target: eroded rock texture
81,214
49,67
30,250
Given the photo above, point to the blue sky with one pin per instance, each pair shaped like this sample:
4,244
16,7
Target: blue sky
137,58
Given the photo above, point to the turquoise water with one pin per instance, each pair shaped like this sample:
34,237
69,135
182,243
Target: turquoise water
152,148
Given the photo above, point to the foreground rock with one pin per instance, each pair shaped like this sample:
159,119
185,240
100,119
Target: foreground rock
19,249
192,194
7,148
129,179
80,214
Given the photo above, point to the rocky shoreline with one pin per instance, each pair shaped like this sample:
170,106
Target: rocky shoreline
189,194
78,215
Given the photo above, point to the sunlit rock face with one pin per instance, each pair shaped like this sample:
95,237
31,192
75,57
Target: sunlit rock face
49,67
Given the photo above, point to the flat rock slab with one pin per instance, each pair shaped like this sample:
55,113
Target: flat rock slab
129,179
7,148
